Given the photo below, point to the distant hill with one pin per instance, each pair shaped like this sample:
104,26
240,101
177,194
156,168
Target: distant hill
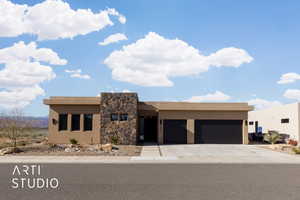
39,122
35,122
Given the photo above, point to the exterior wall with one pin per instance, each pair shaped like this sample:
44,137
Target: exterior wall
191,116
230,115
190,131
83,137
119,103
245,132
270,119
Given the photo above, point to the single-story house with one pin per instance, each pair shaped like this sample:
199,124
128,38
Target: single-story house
283,118
123,118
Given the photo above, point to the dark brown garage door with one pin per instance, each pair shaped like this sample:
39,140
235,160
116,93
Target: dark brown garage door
218,132
175,132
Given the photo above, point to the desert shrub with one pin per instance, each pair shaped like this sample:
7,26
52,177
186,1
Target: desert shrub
114,139
272,137
51,145
73,141
296,150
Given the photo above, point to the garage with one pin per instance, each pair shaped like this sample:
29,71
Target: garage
218,132
175,132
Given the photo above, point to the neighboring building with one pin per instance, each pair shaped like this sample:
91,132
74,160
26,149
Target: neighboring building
284,118
93,120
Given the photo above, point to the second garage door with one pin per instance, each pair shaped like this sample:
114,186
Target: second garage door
218,132
175,132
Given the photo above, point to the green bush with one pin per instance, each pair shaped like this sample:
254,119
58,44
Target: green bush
114,139
296,150
272,137
73,141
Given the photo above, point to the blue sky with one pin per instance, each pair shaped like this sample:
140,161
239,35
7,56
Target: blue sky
268,31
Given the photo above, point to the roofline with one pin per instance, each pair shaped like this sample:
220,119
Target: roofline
193,106
55,100
155,105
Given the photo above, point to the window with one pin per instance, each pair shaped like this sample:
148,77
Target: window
114,117
75,122
88,122
251,123
285,121
123,117
63,122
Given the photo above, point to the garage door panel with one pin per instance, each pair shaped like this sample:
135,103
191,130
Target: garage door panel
175,132
218,132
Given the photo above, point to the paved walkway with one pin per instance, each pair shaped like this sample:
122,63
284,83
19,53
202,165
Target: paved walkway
150,150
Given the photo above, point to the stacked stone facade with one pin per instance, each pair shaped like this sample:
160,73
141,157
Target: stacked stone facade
119,103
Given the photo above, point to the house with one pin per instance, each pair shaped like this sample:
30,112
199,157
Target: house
283,118
122,117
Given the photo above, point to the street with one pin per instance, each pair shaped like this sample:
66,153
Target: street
159,181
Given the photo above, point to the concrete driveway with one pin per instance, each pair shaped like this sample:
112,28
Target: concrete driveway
226,153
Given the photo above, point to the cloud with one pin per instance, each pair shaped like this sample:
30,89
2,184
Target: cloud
153,60
113,39
260,104
23,72
77,74
288,78
211,97
52,19
126,91
292,94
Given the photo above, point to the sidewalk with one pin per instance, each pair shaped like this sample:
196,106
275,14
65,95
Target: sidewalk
150,150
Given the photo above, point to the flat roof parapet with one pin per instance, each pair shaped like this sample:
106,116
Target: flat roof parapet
72,101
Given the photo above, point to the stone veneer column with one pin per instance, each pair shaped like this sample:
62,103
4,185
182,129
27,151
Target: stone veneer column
119,103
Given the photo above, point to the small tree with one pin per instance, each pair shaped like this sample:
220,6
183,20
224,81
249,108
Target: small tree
14,125
272,137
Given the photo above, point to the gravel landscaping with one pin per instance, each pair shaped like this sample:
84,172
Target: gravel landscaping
77,150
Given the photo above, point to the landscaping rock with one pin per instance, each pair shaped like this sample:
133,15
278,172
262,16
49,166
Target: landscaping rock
107,147
68,149
9,150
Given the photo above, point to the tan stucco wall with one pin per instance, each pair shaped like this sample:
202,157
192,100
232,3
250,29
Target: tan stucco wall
245,132
83,137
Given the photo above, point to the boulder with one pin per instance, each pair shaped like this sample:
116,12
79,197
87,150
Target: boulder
9,150
107,147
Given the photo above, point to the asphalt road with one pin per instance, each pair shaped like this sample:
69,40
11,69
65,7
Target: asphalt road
157,181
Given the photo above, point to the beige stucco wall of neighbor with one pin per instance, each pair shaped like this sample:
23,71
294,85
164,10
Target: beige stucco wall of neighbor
83,137
270,119
191,116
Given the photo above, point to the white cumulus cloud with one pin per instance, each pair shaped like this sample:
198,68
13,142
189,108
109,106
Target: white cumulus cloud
260,104
288,78
52,19
211,97
23,72
292,94
113,39
78,74
153,60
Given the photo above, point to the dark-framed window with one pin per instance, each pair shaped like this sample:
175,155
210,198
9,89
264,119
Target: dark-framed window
124,117
114,117
285,121
75,122
88,122
251,123
63,122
